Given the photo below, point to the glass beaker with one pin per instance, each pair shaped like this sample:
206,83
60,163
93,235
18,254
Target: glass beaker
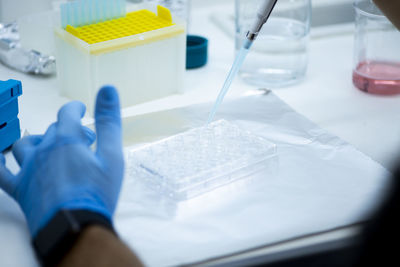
279,56
376,51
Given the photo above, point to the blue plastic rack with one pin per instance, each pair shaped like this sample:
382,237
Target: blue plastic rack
9,123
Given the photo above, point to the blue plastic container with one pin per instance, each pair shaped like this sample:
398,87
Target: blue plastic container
9,123
196,51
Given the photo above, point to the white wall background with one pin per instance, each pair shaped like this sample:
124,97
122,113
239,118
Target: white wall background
324,11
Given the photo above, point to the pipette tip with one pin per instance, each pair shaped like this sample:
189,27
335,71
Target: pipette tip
247,44
232,74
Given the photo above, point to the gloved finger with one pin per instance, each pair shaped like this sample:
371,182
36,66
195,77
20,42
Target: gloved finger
7,179
69,119
50,136
25,146
90,135
108,124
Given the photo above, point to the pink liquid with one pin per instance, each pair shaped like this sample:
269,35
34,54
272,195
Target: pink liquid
376,77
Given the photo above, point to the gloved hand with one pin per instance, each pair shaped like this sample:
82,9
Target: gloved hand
60,171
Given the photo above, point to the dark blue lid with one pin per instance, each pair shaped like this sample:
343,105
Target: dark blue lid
9,133
9,89
196,51
9,92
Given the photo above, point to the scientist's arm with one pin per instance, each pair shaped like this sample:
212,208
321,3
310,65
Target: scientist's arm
391,8
99,247
68,192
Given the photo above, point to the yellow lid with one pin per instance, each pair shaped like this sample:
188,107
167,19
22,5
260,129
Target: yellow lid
133,23
137,28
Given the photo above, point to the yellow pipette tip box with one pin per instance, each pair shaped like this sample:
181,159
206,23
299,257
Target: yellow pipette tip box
143,54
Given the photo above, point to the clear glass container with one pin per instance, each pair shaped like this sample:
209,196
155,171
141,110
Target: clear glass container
376,51
279,56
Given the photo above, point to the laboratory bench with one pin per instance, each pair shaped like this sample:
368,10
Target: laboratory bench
326,97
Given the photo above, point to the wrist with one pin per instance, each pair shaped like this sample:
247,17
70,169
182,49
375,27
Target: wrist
56,239
40,217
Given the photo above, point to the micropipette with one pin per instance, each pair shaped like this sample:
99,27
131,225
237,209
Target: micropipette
262,17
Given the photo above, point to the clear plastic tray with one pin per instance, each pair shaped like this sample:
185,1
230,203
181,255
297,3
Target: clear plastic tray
199,160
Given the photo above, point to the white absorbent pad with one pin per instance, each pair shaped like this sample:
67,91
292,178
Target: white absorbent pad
320,183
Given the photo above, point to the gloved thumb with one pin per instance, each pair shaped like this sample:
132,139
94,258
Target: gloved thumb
108,124
7,179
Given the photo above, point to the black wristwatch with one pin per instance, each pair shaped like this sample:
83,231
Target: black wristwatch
55,240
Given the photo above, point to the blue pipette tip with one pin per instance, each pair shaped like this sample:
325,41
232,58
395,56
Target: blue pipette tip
232,74
247,44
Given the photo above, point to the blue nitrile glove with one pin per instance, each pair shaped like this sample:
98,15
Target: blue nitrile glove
60,171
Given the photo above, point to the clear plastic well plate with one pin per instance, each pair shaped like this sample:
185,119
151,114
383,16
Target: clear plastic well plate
200,160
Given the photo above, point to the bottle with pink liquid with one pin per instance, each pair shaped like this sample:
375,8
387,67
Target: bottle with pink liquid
376,51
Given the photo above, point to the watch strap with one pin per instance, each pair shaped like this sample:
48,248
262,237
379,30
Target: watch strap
56,239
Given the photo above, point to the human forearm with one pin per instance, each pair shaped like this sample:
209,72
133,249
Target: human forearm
99,247
391,8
